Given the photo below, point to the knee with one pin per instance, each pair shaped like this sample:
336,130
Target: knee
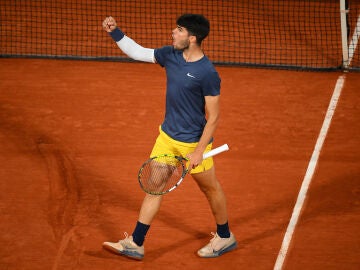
211,190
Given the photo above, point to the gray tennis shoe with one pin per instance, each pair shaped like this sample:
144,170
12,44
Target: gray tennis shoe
126,247
218,246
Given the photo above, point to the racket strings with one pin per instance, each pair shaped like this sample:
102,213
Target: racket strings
160,174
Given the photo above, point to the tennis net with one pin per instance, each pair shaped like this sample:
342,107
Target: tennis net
295,34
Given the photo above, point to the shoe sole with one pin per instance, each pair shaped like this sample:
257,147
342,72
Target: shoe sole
221,252
130,255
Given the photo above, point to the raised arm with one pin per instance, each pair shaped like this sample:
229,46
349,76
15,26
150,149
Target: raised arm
126,44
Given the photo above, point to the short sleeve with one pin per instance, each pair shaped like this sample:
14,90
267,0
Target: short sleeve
211,84
161,54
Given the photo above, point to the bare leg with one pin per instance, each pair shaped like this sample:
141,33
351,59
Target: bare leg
132,246
149,208
210,186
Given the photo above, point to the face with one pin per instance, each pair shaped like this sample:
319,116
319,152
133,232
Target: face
181,38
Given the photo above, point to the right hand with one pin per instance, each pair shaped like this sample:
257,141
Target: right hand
109,24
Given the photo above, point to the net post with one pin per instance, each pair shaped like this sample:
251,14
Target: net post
344,34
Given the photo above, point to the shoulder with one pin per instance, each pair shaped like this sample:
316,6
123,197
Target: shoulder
208,64
165,49
210,79
207,67
164,53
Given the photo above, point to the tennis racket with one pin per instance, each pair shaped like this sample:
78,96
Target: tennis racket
162,174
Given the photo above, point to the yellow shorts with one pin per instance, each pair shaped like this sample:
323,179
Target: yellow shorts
166,145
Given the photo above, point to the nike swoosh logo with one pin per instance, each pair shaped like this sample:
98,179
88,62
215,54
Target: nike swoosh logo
190,75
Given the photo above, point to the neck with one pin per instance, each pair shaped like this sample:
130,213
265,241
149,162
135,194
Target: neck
193,54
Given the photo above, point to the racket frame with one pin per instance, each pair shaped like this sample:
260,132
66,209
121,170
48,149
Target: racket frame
183,174
206,155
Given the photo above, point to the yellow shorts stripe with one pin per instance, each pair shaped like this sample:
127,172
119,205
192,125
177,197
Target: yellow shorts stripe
166,145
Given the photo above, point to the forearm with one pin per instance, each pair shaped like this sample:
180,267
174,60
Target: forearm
131,48
213,115
207,134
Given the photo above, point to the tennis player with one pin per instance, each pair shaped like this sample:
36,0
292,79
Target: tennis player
191,117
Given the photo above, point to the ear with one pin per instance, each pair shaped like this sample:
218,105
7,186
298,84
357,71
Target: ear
192,39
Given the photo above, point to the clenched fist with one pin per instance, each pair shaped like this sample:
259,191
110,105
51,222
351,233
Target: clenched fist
109,24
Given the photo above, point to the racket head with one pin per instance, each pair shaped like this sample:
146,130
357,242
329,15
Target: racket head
162,174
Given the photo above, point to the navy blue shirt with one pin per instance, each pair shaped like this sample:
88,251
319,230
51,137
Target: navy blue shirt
187,85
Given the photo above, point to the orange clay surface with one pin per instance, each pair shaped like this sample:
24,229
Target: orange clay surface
74,133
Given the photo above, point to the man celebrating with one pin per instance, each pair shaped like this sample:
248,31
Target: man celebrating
191,117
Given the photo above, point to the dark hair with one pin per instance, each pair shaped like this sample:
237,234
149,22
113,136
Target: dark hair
196,24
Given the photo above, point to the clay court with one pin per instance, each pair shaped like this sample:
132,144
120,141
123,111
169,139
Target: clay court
73,135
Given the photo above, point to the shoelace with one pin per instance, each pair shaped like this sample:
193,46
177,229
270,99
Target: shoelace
127,240
215,236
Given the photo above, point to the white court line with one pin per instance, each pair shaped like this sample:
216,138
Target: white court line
309,173
315,156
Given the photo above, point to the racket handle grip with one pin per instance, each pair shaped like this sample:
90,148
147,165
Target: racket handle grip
216,151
